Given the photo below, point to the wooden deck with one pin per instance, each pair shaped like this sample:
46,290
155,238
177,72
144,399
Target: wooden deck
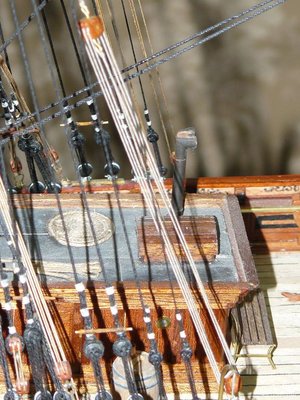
277,274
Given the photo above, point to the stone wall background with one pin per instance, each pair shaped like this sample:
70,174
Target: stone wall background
240,91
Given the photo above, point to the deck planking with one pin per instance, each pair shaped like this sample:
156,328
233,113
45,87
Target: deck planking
277,273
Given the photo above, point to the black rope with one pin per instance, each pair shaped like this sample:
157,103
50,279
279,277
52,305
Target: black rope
186,355
5,50
152,135
94,351
7,297
204,31
51,44
32,148
186,350
20,271
102,136
25,118
33,338
79,286
76,138
12,333
122,346
22,26
83,303
19,268
4,364
10,107
146,60
76,277
155,357
79,58
34,152
40,125
50,367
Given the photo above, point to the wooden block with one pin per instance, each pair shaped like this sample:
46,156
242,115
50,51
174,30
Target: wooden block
200,233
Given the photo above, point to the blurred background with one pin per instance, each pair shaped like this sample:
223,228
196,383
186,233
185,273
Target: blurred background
241,91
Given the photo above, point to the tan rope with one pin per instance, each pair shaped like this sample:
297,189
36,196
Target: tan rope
145,55
126,121
45,318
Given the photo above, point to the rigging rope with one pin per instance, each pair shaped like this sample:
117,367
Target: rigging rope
160,84
256,11
126,122
119,105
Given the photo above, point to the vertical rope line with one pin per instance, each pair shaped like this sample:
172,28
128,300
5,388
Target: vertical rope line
3,360
133,52
51,44
136,162
34,99
130,381
167,202
36,292
5,50
155,215
22,26
86,75
58,93
128,246
165,198
143,48
78,57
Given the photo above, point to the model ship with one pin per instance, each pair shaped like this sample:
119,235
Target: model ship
126,275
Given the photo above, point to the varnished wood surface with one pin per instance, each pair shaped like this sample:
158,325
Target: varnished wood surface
200,234
227,204
254,192
64,306
275,184
278,272
260,197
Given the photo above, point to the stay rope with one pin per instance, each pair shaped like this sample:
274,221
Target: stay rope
126,121
212,31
